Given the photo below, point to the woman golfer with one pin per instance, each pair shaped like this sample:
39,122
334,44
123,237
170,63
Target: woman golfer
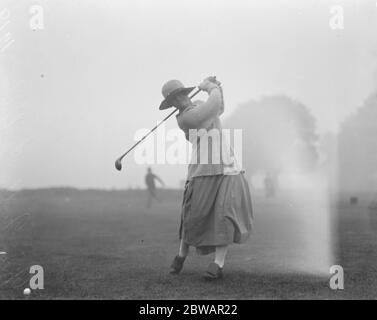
216,208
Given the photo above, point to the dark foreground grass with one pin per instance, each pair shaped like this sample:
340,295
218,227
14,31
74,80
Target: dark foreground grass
107,245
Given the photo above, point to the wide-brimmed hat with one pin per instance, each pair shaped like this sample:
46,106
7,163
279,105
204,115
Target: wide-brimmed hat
170,90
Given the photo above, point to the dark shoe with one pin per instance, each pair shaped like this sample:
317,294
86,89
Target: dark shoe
177,265
213,272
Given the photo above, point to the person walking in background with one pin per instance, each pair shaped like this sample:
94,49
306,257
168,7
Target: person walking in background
150,178
269,186
216,208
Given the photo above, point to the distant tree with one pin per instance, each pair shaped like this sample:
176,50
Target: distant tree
357,152
278,135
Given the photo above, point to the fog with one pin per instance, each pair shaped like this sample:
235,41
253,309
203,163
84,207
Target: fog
74,93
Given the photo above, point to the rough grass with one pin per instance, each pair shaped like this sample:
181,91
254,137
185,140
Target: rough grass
107,245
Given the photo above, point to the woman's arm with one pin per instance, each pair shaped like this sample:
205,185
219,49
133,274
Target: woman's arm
195,117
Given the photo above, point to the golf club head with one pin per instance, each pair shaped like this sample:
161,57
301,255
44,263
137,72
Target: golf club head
118,164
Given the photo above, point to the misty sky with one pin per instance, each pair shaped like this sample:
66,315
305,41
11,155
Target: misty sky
74,93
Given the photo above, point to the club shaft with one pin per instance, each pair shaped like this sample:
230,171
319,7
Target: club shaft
162,121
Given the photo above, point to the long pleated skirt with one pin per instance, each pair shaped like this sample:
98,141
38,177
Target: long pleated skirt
216,211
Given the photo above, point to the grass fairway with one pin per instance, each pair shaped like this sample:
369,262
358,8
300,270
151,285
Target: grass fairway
106,244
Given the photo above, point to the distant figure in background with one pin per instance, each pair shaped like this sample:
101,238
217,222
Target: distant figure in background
373,204
269,186
354,200
151,186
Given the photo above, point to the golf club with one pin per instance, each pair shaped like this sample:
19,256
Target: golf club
118,162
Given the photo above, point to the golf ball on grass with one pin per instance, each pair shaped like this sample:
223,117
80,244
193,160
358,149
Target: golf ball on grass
27,291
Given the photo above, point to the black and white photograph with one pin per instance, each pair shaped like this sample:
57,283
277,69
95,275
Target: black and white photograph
205,152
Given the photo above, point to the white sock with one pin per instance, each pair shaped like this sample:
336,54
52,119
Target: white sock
220,255
183,249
